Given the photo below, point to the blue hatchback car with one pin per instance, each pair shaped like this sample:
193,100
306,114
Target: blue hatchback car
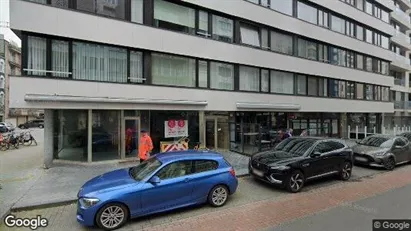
164,182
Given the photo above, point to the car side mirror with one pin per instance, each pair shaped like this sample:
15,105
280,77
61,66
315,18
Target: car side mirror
315,154
155,180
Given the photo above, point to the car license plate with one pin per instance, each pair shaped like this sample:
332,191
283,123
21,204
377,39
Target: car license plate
361,159
258,173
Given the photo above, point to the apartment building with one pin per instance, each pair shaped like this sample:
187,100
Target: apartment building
219,72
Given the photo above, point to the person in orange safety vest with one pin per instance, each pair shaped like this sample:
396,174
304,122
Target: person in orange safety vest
145,146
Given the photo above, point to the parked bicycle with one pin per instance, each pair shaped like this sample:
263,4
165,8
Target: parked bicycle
26,139
10,140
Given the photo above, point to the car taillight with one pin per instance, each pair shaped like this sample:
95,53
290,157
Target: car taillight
232,172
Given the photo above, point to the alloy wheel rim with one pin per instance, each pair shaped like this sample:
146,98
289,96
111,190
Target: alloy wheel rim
296,182
112,216
346,171
390,163
219,196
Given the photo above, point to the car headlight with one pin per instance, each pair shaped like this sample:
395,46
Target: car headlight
379,154
88,202
280,167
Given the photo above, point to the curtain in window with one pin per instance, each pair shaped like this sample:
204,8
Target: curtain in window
60,58
173,70
301,84
281,43
337,24
223,28
202,73
221,76
249,35
173,13
136,67
265,75
99,63
312,86
249,78
282,82
36,59
137,11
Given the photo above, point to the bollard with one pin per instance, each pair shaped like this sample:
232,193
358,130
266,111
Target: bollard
356,132
375,130
349,132
365,131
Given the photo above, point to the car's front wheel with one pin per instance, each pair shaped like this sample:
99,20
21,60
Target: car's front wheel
112,216
218,196
295,181
346,170
389,164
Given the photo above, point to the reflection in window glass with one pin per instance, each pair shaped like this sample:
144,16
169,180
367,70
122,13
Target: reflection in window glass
265,75
202,74
322,87
368,7
341,89
221,76
264,39
369,92
385,42
337,24
59,3
307,13
368,36
115,9
312,86
174,17
136,67
249,78
301,84
137,11
350,90
333,88
338,56
322,18
323,53
307,49
282,82
281,43
360,62
105,135
223,29
360,32
360,91
368,63
282,6
173,70
250,35
203,24
360,4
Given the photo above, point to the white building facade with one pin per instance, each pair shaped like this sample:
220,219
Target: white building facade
233,72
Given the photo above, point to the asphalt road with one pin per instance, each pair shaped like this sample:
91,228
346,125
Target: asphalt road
357,216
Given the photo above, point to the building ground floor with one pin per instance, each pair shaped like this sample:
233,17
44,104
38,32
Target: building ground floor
99,135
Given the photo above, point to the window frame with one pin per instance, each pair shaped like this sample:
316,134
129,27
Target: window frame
194,161
174,162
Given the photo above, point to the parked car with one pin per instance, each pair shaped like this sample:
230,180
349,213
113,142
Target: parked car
406,135
10,127
296,160
165,181
3,129
382,151
32,124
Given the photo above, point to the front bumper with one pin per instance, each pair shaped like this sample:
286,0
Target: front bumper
272,177
370,160
85,216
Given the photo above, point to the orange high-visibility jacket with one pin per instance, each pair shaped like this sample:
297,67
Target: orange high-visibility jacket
144,147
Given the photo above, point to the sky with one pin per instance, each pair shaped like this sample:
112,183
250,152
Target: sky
5,19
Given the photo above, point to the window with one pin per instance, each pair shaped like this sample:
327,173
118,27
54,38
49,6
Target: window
137,11
202,74
350,59
377,12
282,82
60,58
360,62
323,53
377,39
322,147
350,90
281,43
264,3
114,9
385,94
360,91
323,87
312,86
322,18
369,92
173,70
360,4
360,32
337,24
307,49
301,84
264,38
59,3
368,36
265,80
221,76
99,62
282,6
250,35
341,89
205,165
203,24
385,42
377,93
376,65
338,56
399,142
223,29
333,88
368,63
349,29
174,17
36,55
176,169
249,78
385,16
136,67
307,13
368,7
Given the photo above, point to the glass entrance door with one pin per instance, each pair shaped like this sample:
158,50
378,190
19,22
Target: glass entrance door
210,134
132,136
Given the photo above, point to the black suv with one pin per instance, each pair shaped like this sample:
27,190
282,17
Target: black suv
32,124
298,159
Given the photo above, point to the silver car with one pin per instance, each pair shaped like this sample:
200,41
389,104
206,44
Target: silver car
382,151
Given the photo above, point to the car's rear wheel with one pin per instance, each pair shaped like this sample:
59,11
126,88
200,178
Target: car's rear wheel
295,181
112,216
218,196
389,164
346,170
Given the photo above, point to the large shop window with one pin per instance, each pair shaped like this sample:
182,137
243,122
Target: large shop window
307,49
173,70
105,134
136,67
223,29
36,57
60,58
249,78
281,43
137,11
174,17
301,85
360,91
114,8
99,63
250,35
307,13
282,82
337,24
221,76
282,6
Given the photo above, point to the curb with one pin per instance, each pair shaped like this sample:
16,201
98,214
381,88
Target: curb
42,206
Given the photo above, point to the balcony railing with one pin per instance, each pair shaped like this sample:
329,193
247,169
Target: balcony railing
403,15
402,36
402,59
400,82
400,104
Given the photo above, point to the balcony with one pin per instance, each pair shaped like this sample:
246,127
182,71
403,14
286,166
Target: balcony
402,39
401,105
401,17
400,63
399,82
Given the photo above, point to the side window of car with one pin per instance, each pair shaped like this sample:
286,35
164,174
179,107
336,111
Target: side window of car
176,169
322,147
205,165
336,145
399,142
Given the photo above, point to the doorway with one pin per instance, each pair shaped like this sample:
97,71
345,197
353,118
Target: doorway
132,136
210,134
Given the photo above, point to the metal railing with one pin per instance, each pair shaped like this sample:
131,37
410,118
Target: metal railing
402,14
403,36
399,82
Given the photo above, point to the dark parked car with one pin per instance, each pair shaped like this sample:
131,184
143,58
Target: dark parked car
32,124
382,151
406,135
298,159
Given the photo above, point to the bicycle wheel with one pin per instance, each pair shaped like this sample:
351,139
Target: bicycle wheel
27,142
4,146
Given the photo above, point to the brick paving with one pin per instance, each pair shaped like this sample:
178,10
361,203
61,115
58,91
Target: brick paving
268,213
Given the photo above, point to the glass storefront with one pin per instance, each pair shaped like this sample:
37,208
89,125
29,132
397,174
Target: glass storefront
105,135
369,123
316,124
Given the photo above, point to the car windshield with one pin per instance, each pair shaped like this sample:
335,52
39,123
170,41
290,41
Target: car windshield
296,147
377,141
144,169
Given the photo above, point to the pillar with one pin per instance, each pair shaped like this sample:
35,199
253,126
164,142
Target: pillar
90,136
48,138
202,127
344,126
382,128
122,135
